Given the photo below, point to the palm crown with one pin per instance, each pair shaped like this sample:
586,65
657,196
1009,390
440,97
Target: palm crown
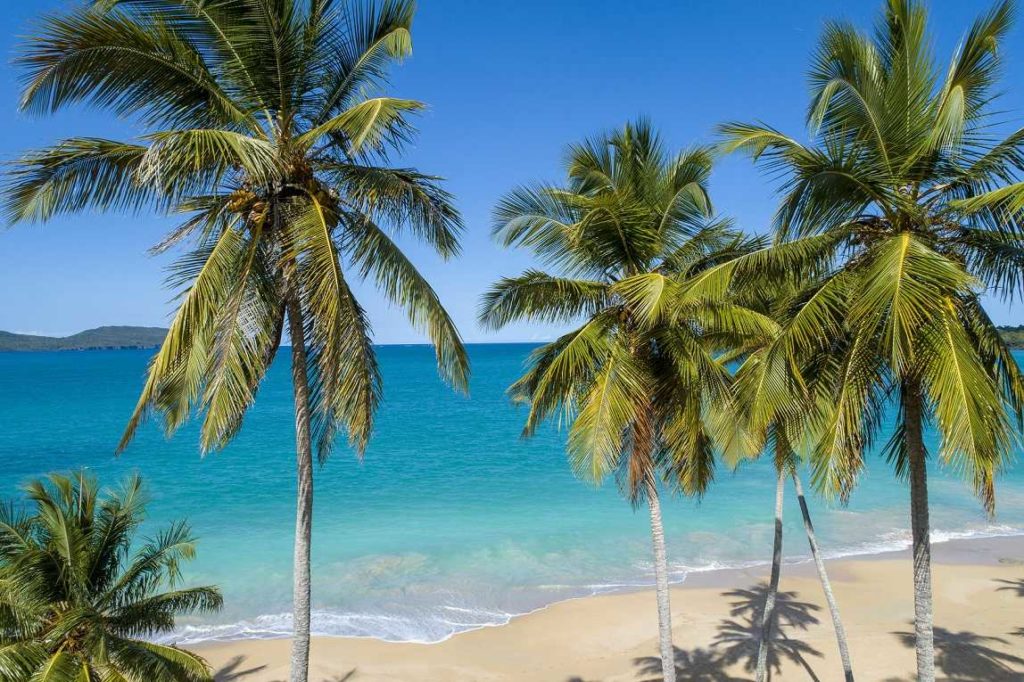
638,377
75,600
901,212
263,131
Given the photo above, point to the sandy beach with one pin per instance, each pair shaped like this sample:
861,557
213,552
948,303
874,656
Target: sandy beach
979,617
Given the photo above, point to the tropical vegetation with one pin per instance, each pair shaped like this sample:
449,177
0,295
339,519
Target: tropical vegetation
777,422
892,221
640,381
81,598
266,126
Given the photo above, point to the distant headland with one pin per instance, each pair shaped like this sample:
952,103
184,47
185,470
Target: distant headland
122,337
111,337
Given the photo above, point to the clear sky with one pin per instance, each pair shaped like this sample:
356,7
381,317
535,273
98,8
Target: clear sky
509,83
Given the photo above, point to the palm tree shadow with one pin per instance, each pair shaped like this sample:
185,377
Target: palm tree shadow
739,637
694,665
232,670
1016,586
738,640
347,677
969,657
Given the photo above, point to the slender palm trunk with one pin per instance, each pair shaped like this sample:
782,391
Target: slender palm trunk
304,504
768,615
668,664
914,440
826,586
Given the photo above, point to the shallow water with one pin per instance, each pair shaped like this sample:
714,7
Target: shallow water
451,522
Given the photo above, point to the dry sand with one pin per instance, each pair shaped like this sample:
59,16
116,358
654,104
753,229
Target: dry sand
979,617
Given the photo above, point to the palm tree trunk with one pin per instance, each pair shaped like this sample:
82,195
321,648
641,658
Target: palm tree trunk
768,615
304,503
668,664
826,586
914,440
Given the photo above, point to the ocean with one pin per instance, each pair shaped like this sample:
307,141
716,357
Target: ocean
451,522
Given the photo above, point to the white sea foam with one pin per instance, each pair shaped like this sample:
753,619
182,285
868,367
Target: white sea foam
429,625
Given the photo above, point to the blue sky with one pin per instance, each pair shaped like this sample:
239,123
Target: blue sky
508,83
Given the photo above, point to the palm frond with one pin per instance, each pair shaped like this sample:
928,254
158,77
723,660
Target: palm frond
373,125
128,66
396,277
405,198
538,296
75,175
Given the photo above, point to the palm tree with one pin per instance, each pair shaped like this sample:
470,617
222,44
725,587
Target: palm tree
76,604
262,130
900,212
775,414
638,378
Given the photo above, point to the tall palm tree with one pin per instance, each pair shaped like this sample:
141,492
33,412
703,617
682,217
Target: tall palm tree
261,129
904,208
77,604
638,378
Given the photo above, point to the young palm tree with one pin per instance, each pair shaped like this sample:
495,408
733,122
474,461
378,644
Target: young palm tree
76,604
903,210
776,415
781,440
638,378
262,130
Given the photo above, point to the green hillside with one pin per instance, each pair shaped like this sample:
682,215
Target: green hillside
150,337
1014,336
90,339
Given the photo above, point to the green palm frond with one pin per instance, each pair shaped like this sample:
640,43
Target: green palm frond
538,296
896,294
379,34
402,198
377,257
1008,199
77,590
75,175
606,409
346,379
845,415
972,74
559,371
974,436
175,376
131,67
246,332
207,152
785,261
373,125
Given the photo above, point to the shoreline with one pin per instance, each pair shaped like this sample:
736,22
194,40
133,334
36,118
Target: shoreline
688,576
977,603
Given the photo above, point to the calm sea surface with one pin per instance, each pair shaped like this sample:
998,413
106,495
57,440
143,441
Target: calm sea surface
451,522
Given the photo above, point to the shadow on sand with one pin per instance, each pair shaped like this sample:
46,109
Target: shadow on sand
738,639
235,671
1015,586
969,657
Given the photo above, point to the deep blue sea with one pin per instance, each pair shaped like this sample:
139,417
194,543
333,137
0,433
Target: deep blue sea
451,522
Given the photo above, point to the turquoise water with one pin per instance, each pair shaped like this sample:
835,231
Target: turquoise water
451,522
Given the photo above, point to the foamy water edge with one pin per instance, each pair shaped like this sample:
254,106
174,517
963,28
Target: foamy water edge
359,625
